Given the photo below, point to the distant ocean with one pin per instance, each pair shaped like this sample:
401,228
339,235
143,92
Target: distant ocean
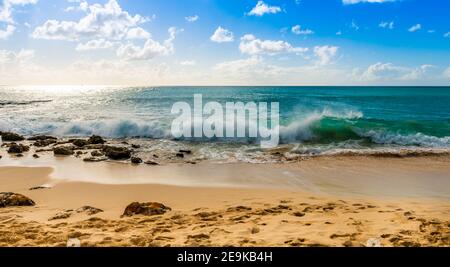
313,119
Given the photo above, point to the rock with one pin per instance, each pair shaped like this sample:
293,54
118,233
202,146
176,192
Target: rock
180,155
14,200
135,146
89,210
44,143
63,150
117,153
80,142
147,209
62,215
17,148
96,153
185,151
150,162
94,159
136,160
96,140
41,187
11,137
42,138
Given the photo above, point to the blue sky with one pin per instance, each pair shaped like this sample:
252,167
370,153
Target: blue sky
230,42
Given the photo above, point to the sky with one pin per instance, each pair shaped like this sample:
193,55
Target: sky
225,42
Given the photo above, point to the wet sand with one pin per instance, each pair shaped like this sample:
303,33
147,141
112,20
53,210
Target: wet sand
329,201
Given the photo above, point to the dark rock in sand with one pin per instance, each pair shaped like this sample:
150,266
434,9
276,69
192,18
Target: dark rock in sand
150,162
63,151
135,146
17,148
80,142
11,137
117,153
42,138
44,143
14,200
185,151
96,140
89,210
94,159
96,153
136,160
180,155
147,209
39,188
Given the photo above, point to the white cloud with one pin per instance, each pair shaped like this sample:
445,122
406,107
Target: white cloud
297,29
6,15
95,45
107,21
192,18
150,49
138,33
222,35
446,73
325,54
23,55
252,46
390,72
339,33
188,63
352,2
262,8
386,25
447,34
415,28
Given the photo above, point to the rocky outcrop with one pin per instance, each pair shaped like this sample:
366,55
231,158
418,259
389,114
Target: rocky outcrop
11,137
96,140
14,200
17,148
117,153
63,151
147,209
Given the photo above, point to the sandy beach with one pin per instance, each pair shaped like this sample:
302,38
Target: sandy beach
323,201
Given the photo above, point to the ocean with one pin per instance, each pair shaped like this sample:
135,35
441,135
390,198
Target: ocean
314,120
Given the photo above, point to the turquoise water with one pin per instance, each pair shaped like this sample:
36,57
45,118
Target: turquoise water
355,117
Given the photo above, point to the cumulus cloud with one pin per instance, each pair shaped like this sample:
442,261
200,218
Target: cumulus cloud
386,25
325,54
352,2
252,46
415,28
95,45
390,72
447,34
297,29
6,16
262,8
138,33
222,35
193,18
107,21
150,49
